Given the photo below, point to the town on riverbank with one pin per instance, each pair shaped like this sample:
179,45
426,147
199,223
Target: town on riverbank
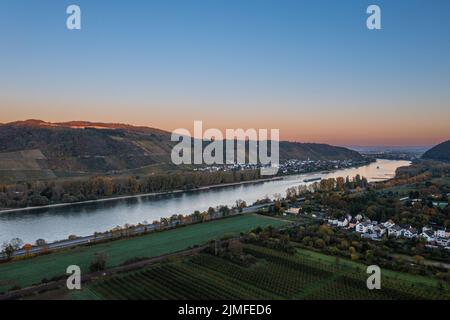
333,217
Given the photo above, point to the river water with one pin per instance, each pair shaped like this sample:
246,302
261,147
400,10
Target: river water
84,219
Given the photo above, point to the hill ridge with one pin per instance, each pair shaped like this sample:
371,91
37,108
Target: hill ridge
439,152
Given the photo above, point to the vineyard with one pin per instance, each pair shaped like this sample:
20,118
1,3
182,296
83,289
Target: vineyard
274,275
31,271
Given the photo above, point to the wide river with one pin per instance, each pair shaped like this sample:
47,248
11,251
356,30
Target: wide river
84,219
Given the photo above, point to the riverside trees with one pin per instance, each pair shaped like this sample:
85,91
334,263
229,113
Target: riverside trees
49,192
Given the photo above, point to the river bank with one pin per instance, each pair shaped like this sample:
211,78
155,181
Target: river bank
83,219
152,194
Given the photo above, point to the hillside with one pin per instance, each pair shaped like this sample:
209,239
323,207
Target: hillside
440,152
35,149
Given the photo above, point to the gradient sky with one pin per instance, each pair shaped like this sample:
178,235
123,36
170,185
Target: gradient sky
310,68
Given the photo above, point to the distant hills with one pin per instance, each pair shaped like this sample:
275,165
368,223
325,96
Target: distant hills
440,152
42,150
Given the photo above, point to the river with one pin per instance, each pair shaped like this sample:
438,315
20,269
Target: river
84,219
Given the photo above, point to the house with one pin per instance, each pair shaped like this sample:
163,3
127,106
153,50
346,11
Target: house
371,225
351,225
380,230
440,204
409,233
440,233
428,235
443,242
424,229
333,222
293,210
362,227
370,236
389,224
395,231
342,223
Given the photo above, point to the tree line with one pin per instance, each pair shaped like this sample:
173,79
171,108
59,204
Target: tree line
42,193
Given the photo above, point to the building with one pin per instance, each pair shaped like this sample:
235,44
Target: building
293,210
442,233
428,235
395,231
409,233
342,222
362,227
380,230
389,224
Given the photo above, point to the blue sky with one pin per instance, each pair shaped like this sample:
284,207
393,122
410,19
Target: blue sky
310,68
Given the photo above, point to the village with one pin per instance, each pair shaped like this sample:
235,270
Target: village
436,236
374,230
289,167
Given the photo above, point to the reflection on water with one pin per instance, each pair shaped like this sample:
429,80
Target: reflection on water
84,219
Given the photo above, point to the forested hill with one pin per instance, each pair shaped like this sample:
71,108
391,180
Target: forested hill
440,152
35,149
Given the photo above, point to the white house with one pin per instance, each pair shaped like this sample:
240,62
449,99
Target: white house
342,223
428,235
380,230
440,233
424,229
333,222
395,231
362,227
371,236
389,224
409,233
443,242
293,210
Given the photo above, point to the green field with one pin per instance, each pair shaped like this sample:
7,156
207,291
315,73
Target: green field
275,275
32,271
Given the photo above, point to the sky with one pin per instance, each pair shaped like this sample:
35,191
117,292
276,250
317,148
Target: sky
309,68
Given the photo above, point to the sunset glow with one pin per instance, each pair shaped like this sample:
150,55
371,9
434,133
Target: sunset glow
312,70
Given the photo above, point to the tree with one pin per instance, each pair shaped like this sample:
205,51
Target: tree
27,247
10,247
235,247
369,256
41,242
319,244
240,204
419,259
8,250
99,262
340,184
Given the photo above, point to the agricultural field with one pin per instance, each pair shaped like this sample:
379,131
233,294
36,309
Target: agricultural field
23,166
274,275
31,271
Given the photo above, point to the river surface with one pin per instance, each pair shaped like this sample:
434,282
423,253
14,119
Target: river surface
84,219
